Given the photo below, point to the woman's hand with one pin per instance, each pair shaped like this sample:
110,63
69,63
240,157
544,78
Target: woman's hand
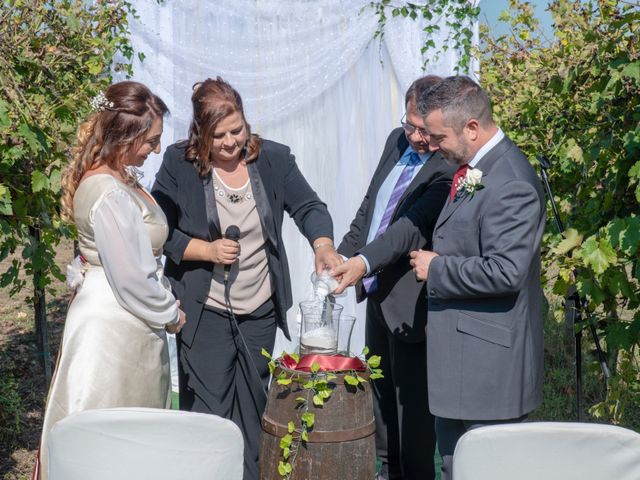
176,327
326,256
224,251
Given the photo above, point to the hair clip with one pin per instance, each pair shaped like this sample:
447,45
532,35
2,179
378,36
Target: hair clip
99,103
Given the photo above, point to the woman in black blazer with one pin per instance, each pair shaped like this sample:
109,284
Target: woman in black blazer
223,175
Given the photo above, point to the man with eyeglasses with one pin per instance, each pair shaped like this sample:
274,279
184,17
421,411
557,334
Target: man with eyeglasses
396,305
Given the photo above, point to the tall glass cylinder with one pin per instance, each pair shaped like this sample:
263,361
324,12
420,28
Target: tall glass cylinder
319,328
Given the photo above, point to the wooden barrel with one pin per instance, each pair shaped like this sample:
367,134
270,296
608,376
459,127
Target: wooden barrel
341,444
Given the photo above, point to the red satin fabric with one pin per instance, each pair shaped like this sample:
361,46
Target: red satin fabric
332,363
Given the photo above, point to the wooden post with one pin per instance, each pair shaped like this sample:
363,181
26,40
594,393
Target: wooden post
40,311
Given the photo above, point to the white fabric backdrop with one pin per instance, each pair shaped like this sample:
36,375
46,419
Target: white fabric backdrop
311,77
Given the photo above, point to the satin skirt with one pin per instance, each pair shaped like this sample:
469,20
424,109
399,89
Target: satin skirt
108,358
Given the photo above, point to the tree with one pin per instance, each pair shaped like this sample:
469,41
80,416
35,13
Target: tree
576,98
54,56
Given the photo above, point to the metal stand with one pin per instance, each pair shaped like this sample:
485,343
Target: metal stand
576,308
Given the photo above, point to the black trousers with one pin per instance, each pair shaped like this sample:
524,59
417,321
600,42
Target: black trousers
217,375
405,434
449,431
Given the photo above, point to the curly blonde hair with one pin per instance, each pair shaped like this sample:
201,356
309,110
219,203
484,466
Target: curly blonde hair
108,136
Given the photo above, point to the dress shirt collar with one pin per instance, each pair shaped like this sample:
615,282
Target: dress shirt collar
493,141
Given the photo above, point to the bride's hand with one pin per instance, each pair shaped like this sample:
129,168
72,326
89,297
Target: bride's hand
176,327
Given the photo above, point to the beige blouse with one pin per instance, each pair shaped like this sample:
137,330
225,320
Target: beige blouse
250,282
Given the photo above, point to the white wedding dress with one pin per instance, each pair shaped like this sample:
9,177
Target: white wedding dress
114,349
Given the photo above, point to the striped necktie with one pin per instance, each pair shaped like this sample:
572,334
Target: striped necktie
370,283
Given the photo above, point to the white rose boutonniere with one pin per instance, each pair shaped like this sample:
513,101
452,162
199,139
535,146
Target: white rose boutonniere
471,183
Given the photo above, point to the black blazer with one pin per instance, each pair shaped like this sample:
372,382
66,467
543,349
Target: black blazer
402,299
187,201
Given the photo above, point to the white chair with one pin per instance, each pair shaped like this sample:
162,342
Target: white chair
548,451
144,443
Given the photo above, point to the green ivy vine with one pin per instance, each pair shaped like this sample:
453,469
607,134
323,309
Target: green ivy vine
318,388
458,15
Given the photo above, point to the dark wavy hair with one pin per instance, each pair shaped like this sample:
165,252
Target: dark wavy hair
106,137
214,100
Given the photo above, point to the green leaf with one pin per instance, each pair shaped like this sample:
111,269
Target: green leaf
265,353
286,441
291,427
632,70
365,351
5,201
318,401
286,451
374,361
282,469
39,181
304,436
350,380
284,381
598,254
301,400
572,240
30,137
308,418
315,367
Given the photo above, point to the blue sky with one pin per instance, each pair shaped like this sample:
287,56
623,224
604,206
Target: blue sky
490,9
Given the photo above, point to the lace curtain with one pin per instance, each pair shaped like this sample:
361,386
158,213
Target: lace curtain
311,77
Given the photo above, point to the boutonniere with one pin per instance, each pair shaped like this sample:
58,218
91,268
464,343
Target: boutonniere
471,183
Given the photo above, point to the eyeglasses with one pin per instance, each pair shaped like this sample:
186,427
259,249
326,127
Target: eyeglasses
409,128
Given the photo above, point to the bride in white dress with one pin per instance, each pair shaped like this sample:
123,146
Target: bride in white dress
114,349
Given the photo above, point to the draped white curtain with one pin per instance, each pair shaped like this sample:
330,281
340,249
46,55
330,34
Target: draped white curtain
311,77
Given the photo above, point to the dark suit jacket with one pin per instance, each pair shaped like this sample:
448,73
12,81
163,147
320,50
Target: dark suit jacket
188,203
484,336
401,298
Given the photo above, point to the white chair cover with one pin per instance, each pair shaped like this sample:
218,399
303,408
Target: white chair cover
548,451
144,443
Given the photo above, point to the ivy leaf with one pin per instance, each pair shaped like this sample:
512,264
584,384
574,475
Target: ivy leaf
308,418
39,181
351,380
290,427
284,381
318,401
598,254
374,361
282,468
265,353
286,441
304,436
365,351
315,367
285,453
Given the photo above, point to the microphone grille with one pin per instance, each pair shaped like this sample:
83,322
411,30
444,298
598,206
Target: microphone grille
232,233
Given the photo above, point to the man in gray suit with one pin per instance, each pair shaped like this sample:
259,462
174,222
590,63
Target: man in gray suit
484,335
396,303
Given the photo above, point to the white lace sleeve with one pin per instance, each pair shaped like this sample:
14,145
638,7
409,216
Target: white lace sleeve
127,258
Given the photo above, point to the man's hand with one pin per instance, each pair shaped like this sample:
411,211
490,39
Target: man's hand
349,273
420,261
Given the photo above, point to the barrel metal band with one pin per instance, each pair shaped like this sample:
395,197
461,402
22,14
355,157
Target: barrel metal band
319,436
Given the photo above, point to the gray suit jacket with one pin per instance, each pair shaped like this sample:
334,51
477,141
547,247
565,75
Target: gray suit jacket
484,336
401,298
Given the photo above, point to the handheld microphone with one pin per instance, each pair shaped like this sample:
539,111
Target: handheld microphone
232,233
